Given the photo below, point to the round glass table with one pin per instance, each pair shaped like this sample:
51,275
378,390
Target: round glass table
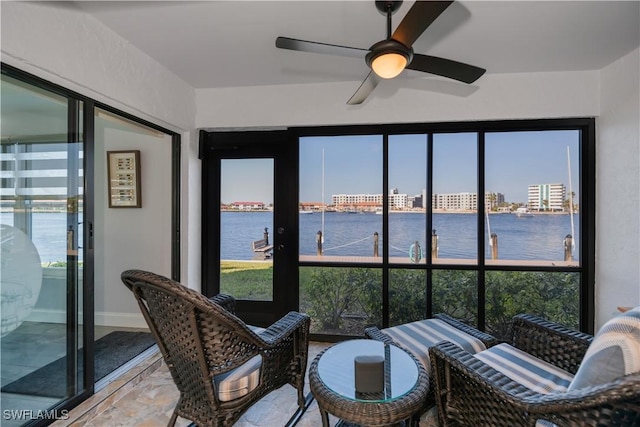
332,382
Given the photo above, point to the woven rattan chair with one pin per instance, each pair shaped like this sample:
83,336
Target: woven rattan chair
470,392
204,344
418,342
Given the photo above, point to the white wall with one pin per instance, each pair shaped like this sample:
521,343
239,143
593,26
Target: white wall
499,96
127,238
618,188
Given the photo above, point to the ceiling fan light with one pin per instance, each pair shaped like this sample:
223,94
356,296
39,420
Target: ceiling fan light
389,65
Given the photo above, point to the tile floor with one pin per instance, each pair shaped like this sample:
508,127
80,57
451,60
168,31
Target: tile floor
146,396
31,346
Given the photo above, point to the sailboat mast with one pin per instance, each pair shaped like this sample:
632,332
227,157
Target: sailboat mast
573,235
323,201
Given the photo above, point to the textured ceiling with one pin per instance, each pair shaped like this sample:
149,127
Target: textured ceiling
232,43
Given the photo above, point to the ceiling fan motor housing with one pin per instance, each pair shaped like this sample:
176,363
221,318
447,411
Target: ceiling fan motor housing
388,6
388,46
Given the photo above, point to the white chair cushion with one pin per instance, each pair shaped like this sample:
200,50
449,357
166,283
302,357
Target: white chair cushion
531,372
614,352
418,337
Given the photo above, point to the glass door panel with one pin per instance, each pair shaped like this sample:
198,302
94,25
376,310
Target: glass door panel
246,227
41,235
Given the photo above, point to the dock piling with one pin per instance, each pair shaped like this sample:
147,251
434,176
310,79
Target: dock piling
319,243
494,246
568,247
375,244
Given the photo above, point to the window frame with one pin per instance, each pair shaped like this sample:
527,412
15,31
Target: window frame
586,194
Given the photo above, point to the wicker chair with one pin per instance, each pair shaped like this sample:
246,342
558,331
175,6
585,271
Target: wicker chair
203,344
419,347
470,392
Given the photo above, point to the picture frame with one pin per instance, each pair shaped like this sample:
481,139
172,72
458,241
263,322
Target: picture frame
123,178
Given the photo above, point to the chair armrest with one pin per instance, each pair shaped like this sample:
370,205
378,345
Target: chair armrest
225,301
470,392
285,326
549,341
488,340
374,333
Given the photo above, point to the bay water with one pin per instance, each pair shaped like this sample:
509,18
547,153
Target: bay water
539,237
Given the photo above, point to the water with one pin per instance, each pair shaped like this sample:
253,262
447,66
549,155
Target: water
49,234
535,238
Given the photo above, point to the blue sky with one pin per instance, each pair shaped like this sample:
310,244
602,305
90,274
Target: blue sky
353,164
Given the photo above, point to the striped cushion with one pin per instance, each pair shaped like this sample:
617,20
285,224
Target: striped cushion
531,372
545,423
418,337
614,352
242,380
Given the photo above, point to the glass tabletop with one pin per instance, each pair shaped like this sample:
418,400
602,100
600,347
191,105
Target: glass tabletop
337,371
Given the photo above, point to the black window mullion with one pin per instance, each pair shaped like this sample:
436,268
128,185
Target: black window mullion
429,226
481,232
385,229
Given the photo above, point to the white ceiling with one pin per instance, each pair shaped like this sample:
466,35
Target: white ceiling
232,43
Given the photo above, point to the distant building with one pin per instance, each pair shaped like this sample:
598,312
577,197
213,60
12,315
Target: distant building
248,206
455,201
341,200
399,201
359,201
547,197
465,201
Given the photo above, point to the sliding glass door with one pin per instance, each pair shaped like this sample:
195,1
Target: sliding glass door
42,229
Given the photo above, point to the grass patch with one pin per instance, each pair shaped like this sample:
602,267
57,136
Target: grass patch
247,280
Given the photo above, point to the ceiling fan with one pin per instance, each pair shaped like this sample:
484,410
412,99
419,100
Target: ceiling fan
387,58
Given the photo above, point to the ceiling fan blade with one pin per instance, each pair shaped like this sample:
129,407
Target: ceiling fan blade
367,86
446,67
316,47
420,16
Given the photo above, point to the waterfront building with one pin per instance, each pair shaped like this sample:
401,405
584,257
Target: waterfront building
248,206
340,200
396,199
400,201
547,197
465,201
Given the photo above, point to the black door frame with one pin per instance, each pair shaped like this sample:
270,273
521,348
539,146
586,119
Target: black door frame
283,148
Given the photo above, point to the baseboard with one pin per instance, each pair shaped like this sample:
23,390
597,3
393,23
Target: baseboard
44,315
119,320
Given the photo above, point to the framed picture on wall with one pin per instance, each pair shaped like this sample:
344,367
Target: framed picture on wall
123,170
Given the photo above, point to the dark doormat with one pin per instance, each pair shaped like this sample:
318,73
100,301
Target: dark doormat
111,352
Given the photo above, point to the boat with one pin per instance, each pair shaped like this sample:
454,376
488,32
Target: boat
523,213
305,211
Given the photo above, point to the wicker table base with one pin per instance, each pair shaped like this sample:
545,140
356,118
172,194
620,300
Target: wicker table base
331,378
